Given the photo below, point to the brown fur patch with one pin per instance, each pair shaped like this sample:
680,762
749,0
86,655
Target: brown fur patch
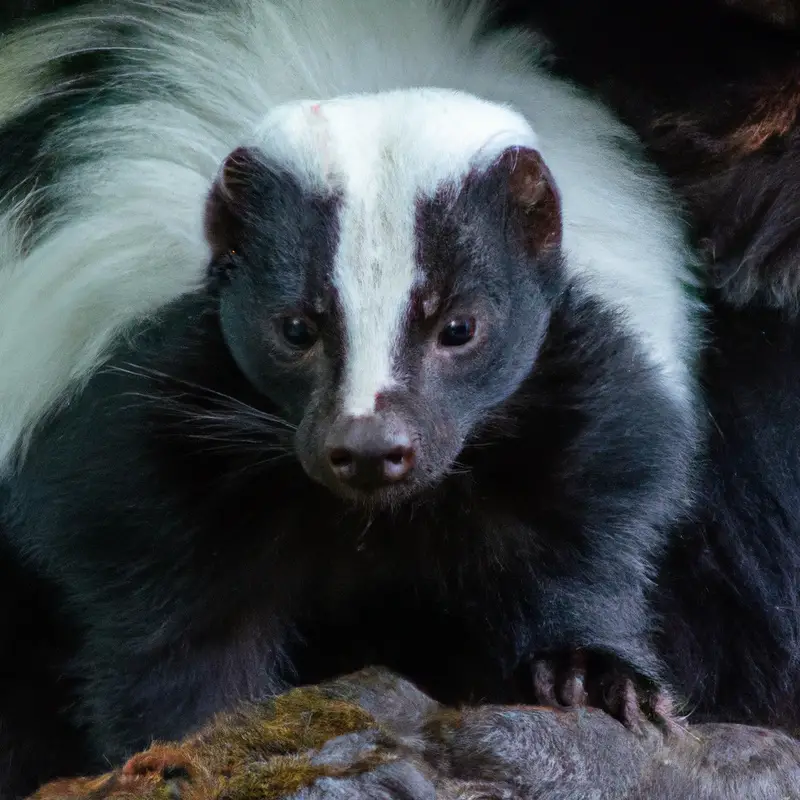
775,114
733,156
757,115
441,725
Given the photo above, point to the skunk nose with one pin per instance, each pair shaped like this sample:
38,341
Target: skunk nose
368,453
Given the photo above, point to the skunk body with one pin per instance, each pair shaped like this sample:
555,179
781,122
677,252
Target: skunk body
714,97
332,333
729,585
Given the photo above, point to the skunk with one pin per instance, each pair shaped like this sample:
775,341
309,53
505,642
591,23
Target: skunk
714,96
333,331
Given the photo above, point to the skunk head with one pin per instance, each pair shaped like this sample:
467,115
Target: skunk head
385,267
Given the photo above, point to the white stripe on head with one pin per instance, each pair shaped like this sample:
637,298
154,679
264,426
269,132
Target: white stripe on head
192,80
384,152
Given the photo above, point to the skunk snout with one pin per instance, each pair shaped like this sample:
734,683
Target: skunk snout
370,452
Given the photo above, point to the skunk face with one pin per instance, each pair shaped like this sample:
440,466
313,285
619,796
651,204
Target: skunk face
389,301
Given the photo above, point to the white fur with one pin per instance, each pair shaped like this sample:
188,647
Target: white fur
130,235
382,152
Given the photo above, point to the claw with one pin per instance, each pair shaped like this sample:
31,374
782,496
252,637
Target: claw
544,683
573,688
571,682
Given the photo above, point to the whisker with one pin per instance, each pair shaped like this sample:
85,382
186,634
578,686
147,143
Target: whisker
242,444
230,428
233,410
260,463
361,540
144,372
457,468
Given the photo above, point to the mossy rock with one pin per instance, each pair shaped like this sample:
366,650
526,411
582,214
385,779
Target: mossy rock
374,736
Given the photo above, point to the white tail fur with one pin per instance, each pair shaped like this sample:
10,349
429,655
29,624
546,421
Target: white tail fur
127,237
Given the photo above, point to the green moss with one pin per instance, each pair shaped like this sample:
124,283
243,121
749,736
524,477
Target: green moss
303,719
263,753
281,776
274,779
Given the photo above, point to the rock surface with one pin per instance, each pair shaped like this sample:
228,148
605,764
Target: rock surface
374,736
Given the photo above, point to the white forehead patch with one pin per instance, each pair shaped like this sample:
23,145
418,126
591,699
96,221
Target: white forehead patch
383,153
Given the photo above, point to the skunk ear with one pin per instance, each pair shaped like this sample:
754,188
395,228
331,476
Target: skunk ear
228,200
238,173
534,200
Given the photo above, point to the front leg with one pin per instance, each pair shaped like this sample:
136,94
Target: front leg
601,656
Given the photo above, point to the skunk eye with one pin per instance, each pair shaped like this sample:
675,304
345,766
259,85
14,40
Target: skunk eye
299,331
457,332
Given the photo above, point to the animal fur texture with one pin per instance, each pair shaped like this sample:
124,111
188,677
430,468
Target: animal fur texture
715,99
373,735
242,243
177,176
713,96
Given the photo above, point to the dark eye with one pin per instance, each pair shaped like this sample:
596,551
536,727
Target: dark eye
457,332
299,332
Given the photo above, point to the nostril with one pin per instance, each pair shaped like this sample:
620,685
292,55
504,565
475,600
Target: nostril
366,453
397,456
397,463
340,458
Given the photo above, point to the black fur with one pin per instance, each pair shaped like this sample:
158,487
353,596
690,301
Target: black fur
179,558
27,154
224,556
36,735
714,95
15,12
200,564
732,633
